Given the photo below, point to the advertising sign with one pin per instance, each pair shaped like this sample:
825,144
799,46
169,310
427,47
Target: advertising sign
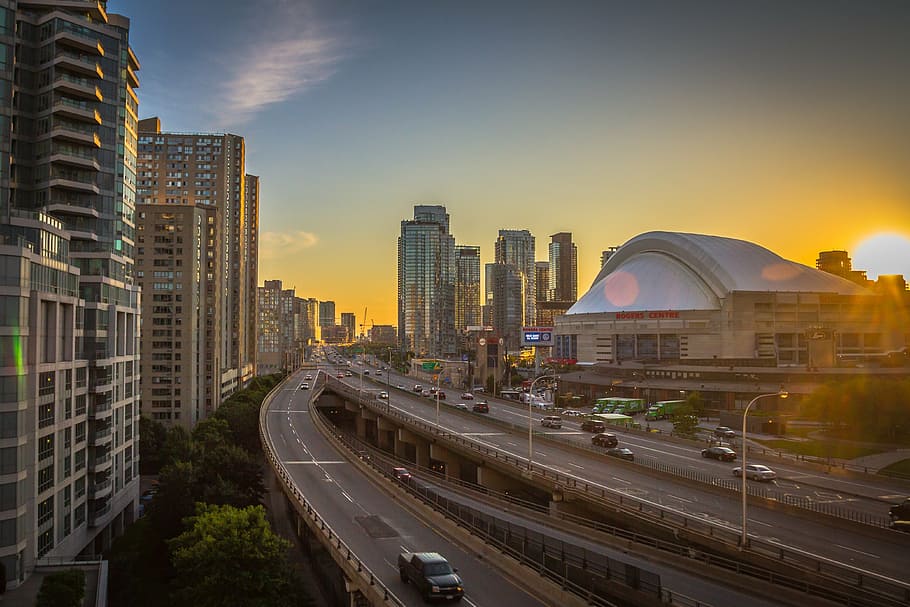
537,336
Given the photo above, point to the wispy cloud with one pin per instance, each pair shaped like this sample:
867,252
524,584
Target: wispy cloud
289,52
275,245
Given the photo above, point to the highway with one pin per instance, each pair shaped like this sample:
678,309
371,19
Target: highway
371,521
874,550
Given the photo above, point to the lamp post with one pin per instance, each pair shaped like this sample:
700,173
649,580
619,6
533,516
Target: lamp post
781,394
438,375
531,419
388,382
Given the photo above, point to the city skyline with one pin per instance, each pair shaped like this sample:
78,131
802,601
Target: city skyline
779,124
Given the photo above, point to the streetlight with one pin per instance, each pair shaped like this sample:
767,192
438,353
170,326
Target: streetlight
388,382
780,394
438,376
531,419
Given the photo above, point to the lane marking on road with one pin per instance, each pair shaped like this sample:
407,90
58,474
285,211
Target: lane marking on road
540,454
875,556
752,520
318,462
347,497
891,497
512,444
622,480
682,499
483,433
576,466
468,601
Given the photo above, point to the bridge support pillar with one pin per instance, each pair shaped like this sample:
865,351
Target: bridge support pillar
385,434
451,460
497,481
412,447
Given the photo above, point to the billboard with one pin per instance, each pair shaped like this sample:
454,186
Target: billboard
537,336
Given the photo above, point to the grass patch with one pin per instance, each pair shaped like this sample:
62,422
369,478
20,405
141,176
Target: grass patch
820,448
899,469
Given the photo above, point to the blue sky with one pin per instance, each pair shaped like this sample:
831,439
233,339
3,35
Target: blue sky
783,123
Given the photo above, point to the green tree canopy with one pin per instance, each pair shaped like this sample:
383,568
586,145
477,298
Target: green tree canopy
684,421
230,556
62,589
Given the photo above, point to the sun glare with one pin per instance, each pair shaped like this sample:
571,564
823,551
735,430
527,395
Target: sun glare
883,253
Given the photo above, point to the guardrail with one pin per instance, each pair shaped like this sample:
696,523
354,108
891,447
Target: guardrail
676,549
369,583
890,591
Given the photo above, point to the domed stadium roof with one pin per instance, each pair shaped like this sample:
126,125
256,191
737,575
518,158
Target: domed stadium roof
678,271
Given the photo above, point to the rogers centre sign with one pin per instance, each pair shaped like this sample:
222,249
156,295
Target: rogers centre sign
648,315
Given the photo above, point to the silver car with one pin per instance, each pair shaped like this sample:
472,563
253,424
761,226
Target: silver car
756,472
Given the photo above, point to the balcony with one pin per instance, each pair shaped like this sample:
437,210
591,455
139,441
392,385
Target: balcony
74,185
79,209
74,159
77,110
101,463
69,132
97,514
76,234
102,489
101,437
78,87
84,41
79,63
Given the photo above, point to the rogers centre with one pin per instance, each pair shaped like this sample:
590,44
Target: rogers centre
673,311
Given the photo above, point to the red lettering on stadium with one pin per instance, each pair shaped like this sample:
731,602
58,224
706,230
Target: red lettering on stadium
641,315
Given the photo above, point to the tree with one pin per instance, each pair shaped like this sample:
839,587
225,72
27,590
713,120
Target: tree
696,402
62,589
178,446
230,556
242,416
685,423
226,474
151,445
178,492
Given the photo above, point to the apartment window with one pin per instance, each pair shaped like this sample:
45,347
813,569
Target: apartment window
45,510
45,478
46,415
9,424
46,447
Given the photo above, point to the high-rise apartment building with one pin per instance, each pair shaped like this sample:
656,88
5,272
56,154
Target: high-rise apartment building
606,255
426,283
467,287
326,314
172,268
69,304
251,253
308,317
204,170
277,347
840,264
542,277
563,285
349,322
516,248
508,303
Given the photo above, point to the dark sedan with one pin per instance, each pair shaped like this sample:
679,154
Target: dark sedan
724,454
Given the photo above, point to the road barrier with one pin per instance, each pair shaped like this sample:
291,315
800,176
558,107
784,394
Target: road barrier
877,590
355,570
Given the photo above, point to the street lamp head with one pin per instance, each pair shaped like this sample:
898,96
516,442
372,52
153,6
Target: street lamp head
783,394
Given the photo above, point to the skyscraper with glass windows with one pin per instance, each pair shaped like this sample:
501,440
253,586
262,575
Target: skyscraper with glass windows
467,287
426,283
516,248
69,303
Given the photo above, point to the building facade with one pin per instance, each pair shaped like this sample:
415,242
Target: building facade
171,267
207,170
467,287
69,375
508,304
251,253
278,346
326,313
516,248
349,322
426,284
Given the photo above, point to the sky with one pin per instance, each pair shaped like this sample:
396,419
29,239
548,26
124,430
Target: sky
782,123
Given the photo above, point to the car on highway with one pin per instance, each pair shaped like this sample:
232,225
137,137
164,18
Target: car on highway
400,387
756,472
467,396
593,425
724,432
900,512
426,393
604,439
304,386
460,406
308,376
621,453
339,375
441,395
418,388
348,374
724,454
401,475
571,413
383,394
366,372
378,373
481,406
551,421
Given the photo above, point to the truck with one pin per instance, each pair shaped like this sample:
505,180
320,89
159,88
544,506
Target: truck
616,404
432,574
663,409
